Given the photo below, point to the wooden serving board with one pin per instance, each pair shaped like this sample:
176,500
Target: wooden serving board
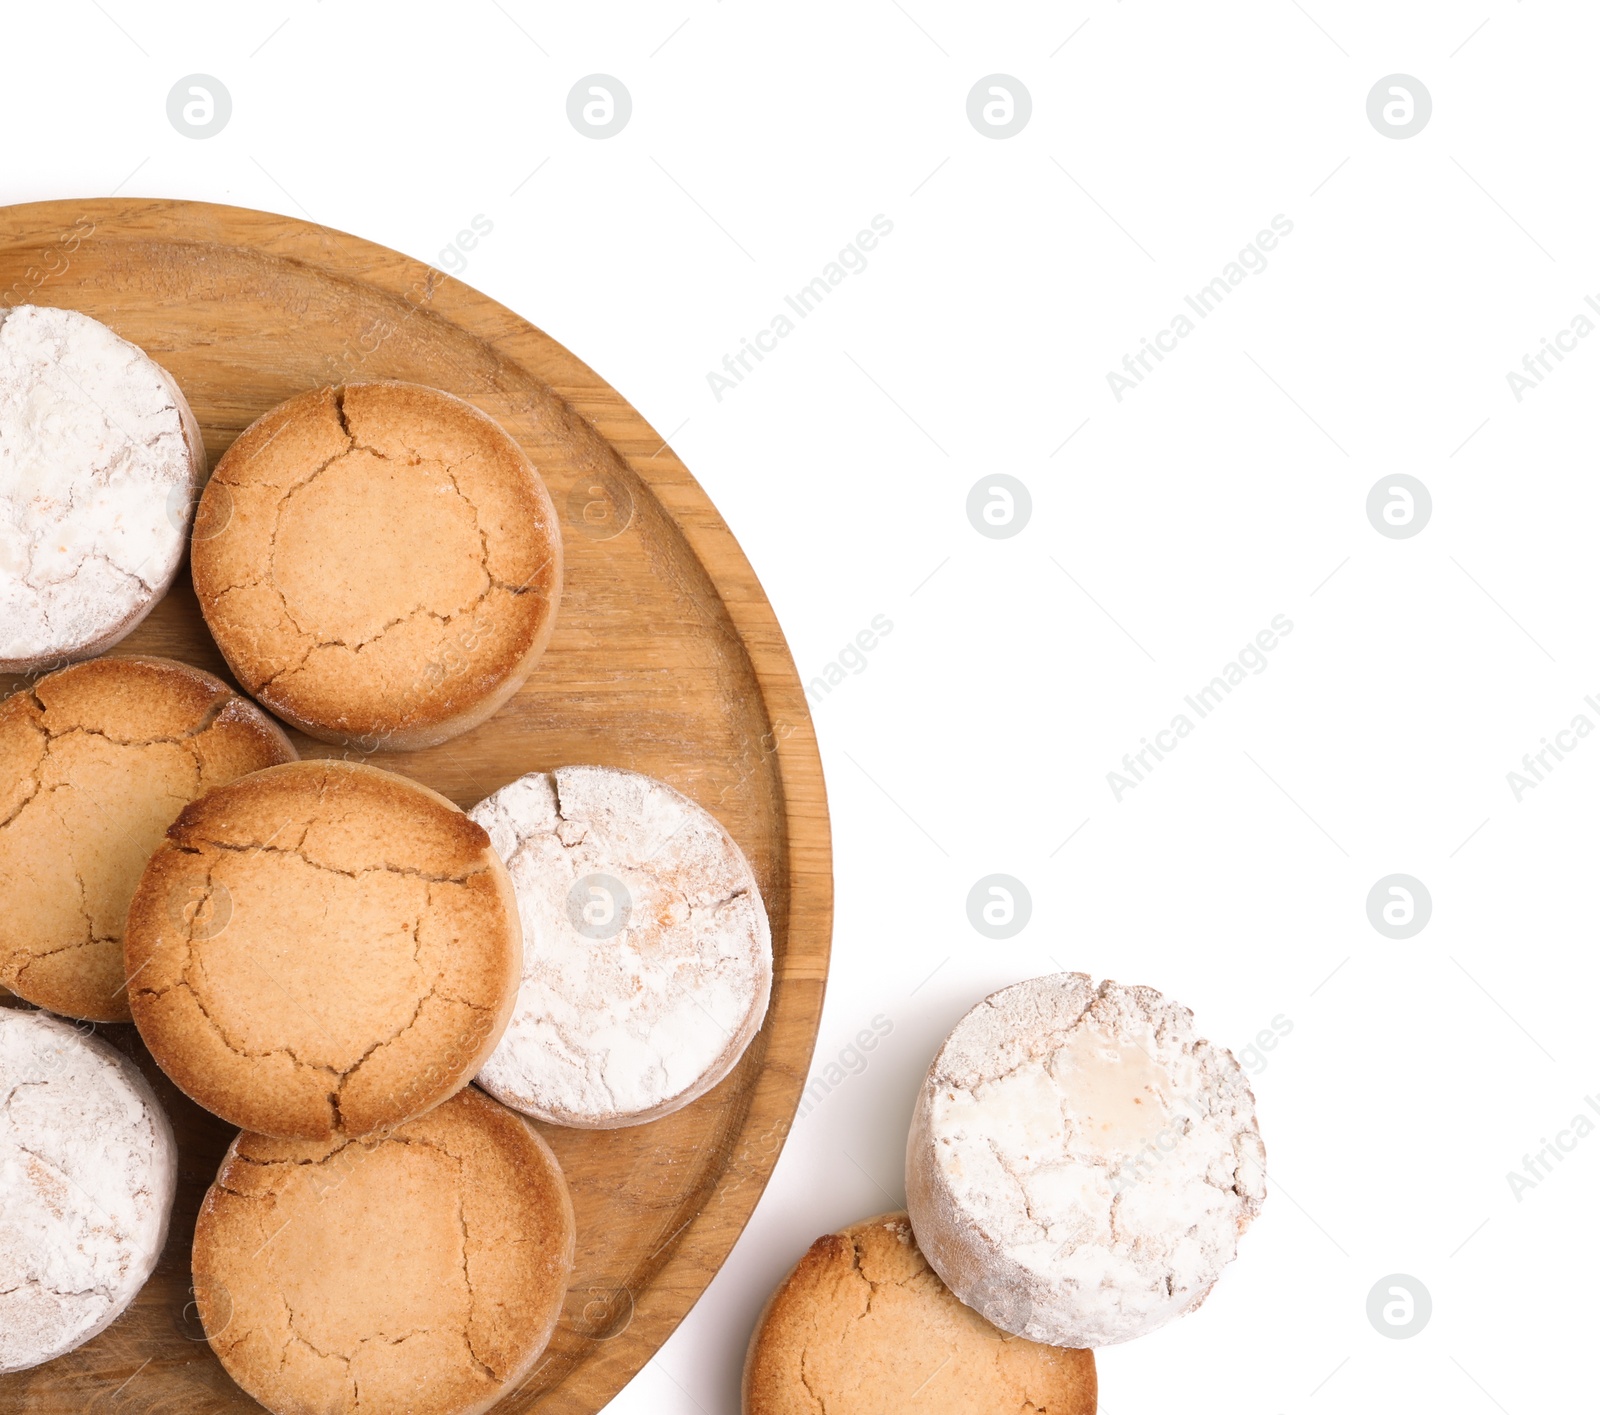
666,659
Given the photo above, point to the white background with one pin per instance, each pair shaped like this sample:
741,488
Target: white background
1228,488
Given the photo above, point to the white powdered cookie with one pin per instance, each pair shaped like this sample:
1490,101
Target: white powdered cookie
1081,1164
100,463
88,1169
647,959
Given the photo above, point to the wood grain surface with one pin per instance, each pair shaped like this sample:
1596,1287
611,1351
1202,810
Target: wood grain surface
666,659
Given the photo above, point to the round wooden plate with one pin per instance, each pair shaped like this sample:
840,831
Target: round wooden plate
666,659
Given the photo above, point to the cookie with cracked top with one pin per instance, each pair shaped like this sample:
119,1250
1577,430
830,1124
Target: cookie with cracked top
322,949
419,1270
864,1325
95,762
379,563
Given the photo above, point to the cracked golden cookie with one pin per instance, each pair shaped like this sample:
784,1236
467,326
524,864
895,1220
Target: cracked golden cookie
379,562
420,1270
321,949
863,1325
95,762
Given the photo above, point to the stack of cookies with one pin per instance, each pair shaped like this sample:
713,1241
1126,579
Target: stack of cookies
1080,1167
321,953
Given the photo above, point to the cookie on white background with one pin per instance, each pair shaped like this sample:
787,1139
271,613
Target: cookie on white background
862,1325
1081,1164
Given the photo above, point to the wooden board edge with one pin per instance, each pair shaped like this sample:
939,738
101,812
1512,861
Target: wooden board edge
699,1250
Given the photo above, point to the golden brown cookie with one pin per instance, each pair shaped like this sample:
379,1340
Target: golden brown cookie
379,562
419,1270
95,762
322,948
864,1325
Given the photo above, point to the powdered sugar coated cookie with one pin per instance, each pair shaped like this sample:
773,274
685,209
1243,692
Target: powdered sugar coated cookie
100,461
88,1170
647,958
1081,1164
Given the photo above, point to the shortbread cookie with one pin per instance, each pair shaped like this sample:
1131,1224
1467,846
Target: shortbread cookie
100,462
95,763
88,1170
419,1270
647,959
379,563
863,1325
1081,1164
322,948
